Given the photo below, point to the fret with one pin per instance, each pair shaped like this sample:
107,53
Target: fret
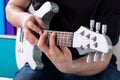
62,38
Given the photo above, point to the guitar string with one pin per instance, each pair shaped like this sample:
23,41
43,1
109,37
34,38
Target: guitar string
63,38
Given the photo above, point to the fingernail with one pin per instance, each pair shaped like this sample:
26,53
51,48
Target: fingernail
54,33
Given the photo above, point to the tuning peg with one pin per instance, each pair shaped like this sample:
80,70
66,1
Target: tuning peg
104,29
95,45
21,35
82,48
103,57
96,57
92,23
88,36
89,57
94,38
82,33
88,46
98,24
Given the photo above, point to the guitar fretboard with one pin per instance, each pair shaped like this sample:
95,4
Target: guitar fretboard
62,38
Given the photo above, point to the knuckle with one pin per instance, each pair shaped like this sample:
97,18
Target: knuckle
25,23
30,25
36,29
41,37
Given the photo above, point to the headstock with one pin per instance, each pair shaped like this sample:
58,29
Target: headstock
86,39
89,41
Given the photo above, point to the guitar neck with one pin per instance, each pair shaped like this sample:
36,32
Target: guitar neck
62,38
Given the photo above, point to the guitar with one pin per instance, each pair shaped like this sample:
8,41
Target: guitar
84,40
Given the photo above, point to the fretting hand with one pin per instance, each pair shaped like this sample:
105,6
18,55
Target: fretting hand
61,57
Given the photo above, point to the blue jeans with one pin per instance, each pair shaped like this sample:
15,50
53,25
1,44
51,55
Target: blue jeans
49,72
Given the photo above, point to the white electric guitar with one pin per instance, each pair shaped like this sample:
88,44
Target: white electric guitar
84,40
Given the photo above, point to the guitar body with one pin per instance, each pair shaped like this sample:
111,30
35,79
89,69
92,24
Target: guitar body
27,53
84,40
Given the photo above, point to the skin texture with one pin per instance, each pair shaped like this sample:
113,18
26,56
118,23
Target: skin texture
61,57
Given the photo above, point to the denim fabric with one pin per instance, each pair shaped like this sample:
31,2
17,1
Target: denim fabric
51,73
47,73
111,73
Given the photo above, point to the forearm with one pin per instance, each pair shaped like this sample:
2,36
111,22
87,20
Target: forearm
15,11
81,67
62,58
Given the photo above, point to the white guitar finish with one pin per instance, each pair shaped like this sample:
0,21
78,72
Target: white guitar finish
84,40
24,50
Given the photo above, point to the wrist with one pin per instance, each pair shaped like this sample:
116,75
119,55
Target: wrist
22,18
72,68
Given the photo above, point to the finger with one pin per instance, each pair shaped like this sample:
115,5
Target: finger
42,42
40,22
30,37
52,40
34,27
65,50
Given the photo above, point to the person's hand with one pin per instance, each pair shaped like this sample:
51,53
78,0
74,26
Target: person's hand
31,23
61,57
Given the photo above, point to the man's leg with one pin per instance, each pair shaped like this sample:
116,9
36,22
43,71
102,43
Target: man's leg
26,73
111,73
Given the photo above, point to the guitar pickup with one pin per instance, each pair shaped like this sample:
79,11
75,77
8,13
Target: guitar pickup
21,36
